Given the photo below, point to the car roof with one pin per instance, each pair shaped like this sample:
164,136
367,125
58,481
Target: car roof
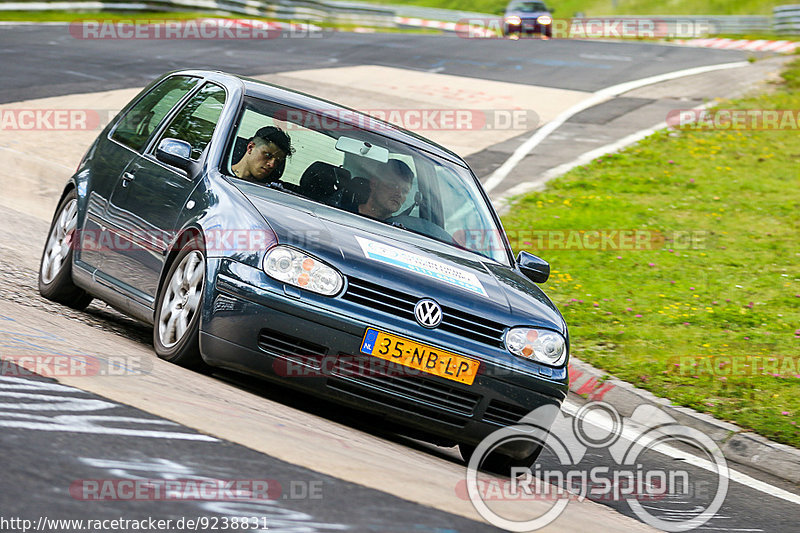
516,3
306,102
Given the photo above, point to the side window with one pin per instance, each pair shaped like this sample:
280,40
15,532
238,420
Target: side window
309,145
143,118
195,123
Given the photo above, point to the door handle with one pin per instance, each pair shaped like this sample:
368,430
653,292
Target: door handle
127,177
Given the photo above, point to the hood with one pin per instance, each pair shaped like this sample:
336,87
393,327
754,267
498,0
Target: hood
369,250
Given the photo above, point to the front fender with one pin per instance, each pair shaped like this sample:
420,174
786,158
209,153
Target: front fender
225,221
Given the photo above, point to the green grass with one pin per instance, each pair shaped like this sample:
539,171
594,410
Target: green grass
563,8
734,291
567,8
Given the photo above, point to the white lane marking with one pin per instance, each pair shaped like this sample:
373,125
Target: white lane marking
728,528
501,203
606,57
587,157
598,97
93,425
601,421
278,518
83,75
51,403
41,391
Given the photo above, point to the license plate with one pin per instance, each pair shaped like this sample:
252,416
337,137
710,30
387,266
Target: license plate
418,356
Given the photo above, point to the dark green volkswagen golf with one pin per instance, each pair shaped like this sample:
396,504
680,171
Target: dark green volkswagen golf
268,232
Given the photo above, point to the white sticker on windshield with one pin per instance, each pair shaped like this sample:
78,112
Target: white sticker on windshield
421,265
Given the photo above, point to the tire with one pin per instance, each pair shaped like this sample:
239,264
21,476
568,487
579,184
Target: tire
499,464
55,267
176,329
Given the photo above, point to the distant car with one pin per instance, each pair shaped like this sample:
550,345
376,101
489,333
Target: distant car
523,17
425,317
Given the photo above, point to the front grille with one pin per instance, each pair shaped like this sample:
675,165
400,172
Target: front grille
287,346
400,304
417,388
504,414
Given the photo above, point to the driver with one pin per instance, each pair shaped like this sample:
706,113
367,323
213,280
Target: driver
389,191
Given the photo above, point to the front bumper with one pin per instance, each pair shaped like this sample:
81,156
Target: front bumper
256,325
529,28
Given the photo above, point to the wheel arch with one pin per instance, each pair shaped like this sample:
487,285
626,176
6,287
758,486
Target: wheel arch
190,234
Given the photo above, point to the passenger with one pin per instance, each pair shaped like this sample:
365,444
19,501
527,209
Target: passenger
388,191
265,156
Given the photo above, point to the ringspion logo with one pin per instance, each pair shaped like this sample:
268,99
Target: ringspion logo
599,428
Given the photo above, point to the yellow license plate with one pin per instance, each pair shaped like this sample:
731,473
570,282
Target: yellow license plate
419,356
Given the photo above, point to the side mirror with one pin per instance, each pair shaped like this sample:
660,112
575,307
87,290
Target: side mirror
535,268
175,152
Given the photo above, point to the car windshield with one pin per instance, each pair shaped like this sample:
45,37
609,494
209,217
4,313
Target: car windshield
529,7
337,162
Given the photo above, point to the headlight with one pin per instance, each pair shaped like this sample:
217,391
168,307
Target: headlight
513,20
544,20
537,345
296,268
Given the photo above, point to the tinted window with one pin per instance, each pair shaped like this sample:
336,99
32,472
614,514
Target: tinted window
442,200
195,123
529,7
143,118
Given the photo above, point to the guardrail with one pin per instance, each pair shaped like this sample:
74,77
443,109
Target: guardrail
786,19
306,10
715,24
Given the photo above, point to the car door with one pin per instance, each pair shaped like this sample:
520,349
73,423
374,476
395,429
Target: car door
150,195
112,155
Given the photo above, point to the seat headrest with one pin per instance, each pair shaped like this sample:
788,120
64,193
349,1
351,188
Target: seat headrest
239,148
355,193
321,180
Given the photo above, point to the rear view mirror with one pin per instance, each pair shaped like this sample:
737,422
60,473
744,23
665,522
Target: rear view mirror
362,148
534,268
175,152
